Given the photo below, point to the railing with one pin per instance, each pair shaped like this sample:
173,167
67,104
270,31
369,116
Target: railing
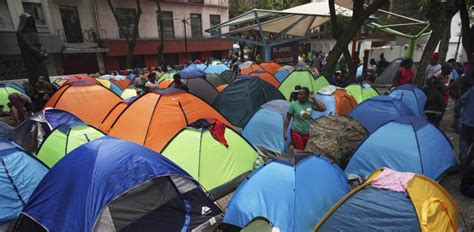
84,36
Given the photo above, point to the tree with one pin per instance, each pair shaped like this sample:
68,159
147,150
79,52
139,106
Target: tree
439,16
161,55
359,15
131,38
444,43
467,32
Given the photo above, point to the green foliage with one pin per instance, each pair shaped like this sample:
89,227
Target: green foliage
237,7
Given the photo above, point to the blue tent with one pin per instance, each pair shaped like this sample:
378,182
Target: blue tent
19,88
293,196
216,68
265,128
282,74
114,185
198,66
190,72
378,110
406,144
20,173
412,96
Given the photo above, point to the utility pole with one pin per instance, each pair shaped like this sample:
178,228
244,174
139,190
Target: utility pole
185,39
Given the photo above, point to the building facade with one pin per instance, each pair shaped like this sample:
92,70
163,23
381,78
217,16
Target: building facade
82,36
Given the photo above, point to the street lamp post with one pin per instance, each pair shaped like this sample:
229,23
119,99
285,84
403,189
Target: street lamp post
185,38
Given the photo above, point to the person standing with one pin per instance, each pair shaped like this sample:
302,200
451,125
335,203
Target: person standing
405,74
464,112
434,106
434,66
300,111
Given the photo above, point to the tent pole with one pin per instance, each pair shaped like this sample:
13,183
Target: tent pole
268,51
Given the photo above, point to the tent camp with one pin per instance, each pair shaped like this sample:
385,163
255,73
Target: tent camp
293,196
114,185
379,110
270,67
199,66
406,144
216,68
189,72
337,102
385,79
63,139
302,78
251,68
217,80
335,137
154,118
219,169
281,74
361,92
114,113
31,133
19,175
200,87
5,90
412,96
90,102
166,76
241,99
394,201
265,129
266,76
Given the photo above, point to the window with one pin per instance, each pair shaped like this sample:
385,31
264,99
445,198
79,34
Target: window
35,10
126,19
168,27
196,26
215,19
5,18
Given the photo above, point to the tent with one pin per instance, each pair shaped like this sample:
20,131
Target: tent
379,110
19,175
266,76
166,75
154,118
189,72
216,68
265,129
246,64
410,202
78,79
241,99
31,133
90,102
281,74
199,66
217,80
114,113
303,78
63,139
200,87
385,79
128,93
337,102
412,96
228,75
221,88
335,137
293,195
270,67
251,68
5,129
114,185
361,92
216,167
5,90
406,144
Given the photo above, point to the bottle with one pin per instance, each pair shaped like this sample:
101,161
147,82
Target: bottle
258,162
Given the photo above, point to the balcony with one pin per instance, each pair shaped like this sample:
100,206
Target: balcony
84,41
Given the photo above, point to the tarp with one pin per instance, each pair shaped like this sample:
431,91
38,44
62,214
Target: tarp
303,79
412,96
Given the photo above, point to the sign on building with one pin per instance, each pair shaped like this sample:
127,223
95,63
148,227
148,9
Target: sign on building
286,53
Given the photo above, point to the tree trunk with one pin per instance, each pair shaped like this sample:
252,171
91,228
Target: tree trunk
161,55
467,31
444,44
351,68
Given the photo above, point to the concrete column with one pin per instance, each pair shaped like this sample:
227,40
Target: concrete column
100,62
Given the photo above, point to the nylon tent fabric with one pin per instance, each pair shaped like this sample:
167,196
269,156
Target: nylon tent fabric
221,88
5,90
165,83
302,78
199,66
216,79
258,224
121,83
379,110
91,103
219,169
335,137
280,75
292,196
228,75
31,133
155,126
412,96
266,76
112,116
337,101
20,173
270,67
246,64
128,93
242,98
166,75
251,68
406,144
5,130
114,185
200,87
385,79
79,78
216,68
63,139
189,72
423,206
361,92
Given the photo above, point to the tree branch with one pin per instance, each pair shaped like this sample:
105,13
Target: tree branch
117,20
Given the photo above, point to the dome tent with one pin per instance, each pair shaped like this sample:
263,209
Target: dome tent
270,67
293,195
266,76
114,185
219,169
411,202
406,144
378,110
337,101
216,68
114,113
64,139
304,79
361,92
5,90
19,175
412,96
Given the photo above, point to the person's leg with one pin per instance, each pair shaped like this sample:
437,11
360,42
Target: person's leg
305,140
297,140
466,138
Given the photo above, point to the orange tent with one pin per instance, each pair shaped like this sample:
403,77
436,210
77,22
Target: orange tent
113,114
220,88
154,118
90,102
344,102
79,78
165,83
250,69
270,67
123,84
266,76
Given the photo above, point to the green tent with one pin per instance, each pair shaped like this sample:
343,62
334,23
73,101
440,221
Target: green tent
258,224
217,168
361,92
63,140
5,90
302,78
166,75
216,79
